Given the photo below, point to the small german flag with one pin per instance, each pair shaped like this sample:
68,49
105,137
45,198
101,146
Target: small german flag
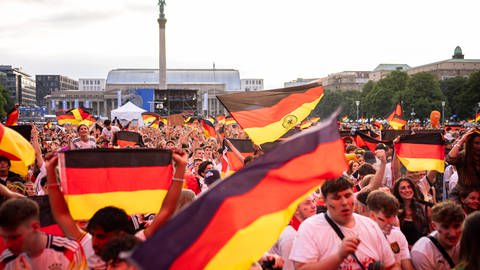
398,111
66,117
12,117
397,122
149,118
422,151
217,230
220,119
266,115
135,180
127,139
363,140
208,128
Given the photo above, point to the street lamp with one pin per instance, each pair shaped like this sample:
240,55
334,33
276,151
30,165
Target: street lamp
443,112
413,114
357,102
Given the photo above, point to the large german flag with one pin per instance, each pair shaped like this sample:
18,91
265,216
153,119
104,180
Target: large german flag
135,180
267,115
237,220
422,151
17,149
66,117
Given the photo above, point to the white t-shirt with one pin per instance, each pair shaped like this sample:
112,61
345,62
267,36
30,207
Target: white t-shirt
426,256
38,185
93,261
283,246
109,133
316,240
398,244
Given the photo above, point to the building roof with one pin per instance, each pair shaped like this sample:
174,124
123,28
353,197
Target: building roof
476,61
229,77
391,67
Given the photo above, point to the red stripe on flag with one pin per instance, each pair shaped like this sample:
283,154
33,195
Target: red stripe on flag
412,150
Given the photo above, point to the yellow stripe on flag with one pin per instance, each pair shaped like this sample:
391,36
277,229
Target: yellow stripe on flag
273,131
422,164
83,206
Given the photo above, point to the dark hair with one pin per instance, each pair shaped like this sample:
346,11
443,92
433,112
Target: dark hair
419,218
469,245
4,158
203,166
366,169
112,250
107,122
110,219
469,170
79,126
336,185
15,211
350,147
447,212
379,201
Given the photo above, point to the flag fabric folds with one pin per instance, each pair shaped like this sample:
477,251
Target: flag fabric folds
135,180
17,149
66,118
208,128
238,219
397,122
422,151
266,115
150,119
230,162
398,111
363,140
12,117
477,117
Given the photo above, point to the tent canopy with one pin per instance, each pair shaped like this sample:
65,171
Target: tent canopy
128,111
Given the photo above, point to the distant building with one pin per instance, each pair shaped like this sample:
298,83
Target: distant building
457,66
97,102
47,84
251,84
141,86
91,84
299,81
346,80
382,70
20,85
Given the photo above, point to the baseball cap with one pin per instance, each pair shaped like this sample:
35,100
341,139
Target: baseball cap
211,176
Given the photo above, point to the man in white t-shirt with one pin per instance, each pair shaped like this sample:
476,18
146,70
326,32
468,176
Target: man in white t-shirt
283,246
318,246
447,219
383,209
108,130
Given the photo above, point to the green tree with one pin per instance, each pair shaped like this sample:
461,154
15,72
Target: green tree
423,94
453,88
470,98
334,99
381,99
4,97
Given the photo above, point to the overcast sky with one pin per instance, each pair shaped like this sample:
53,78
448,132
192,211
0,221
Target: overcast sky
276,40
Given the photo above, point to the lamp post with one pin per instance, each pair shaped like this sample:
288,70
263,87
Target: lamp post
357,102
443,112
413,114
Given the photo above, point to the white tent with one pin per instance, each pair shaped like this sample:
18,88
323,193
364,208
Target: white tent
128,111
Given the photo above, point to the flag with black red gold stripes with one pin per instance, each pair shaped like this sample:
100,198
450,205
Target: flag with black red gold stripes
422,151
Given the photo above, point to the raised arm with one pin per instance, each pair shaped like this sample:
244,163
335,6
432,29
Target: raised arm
169,204
237,153
36,146
60,211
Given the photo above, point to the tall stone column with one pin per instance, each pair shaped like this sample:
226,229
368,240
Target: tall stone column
162,64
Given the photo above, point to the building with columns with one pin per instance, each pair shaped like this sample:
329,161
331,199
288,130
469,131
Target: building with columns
98,103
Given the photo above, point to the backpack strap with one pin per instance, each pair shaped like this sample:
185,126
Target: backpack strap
442,250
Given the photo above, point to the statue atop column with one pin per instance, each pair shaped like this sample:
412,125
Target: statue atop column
161,5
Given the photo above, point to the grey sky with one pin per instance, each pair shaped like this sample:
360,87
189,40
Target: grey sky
277,40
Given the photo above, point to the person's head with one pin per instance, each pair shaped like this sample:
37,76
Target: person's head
473,144
208,151
198,153
404,190
338,195
19,224
4,164
365,169
469,244
111,253
383,209
369,158
306,209
83,130
107,223
203,167
352,166
248,160
170,145
196,163
447,219
211,176
470,200
350,149
107,123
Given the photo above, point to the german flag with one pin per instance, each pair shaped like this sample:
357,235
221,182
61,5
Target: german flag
48,125
208,128
164,121
398,111
230,121
378,124
135,180
12,117
127,139
477,117
149,118
422,151
220,119
345,118
17,149
397,122
266,115
230,162
66,117
217,230
363,140
305,124
80,113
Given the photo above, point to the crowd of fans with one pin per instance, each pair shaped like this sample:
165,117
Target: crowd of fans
376,216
